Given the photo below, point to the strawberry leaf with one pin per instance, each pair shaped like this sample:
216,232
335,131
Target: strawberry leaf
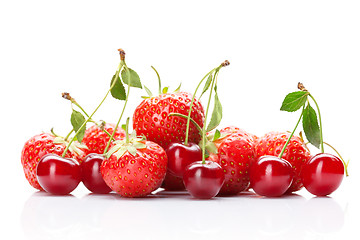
311,126
293,101
130,76
148,91
165,90
77,120
216,115
118,90
217,135
178,88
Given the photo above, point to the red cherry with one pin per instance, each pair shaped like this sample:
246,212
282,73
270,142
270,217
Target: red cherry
181,155
91,176
271,176
204,180
58,175
322,174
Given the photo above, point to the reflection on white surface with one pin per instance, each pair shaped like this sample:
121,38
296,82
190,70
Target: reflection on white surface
179,216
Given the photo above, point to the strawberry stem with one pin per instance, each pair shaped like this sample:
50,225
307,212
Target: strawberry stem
127,130
90,117
320,125
292,133
158,76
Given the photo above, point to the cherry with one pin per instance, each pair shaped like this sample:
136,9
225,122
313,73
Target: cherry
91,176
322,174
180,155
58,175
271,176
204,180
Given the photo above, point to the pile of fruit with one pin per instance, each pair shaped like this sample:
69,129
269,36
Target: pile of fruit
175,145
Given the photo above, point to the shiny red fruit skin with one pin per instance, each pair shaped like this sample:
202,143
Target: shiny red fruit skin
91,175
172,183
96,139
204,181
180,156
236,152
151,118
295,153
322,174
271,176
34,149
58,175
136,176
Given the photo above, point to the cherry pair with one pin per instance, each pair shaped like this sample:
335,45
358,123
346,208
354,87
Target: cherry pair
271,176
202,179
58,175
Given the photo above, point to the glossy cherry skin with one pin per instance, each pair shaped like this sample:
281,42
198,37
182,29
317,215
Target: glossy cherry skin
322,174
203,181
58,175
180,156
91,176
271,176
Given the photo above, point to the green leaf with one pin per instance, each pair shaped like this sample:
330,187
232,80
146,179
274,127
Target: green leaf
178,88
132,150
118,90
217,135
311,126
165,90
130,76
216,114
207,85
148,91
293,101
77,120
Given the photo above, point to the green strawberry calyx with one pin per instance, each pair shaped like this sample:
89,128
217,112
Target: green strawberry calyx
130,144
74,146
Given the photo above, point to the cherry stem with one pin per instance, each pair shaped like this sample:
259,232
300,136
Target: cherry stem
320,124
73,101
192,103
192,120
90,117
342,159
123,110
158,76
292,133
206,113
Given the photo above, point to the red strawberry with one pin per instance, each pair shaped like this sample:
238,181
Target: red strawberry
134,168
34,149
96,139
236,151
151,118
296,153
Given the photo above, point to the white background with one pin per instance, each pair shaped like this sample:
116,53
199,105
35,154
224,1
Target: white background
47,47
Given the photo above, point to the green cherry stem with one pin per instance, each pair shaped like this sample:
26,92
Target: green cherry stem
90,117
123,110
225,63
292,133
342,159
320,124
73,101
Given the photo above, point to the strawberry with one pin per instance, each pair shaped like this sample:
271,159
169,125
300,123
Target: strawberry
96,139
134,167
34,149
235,152
151,118
296,153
